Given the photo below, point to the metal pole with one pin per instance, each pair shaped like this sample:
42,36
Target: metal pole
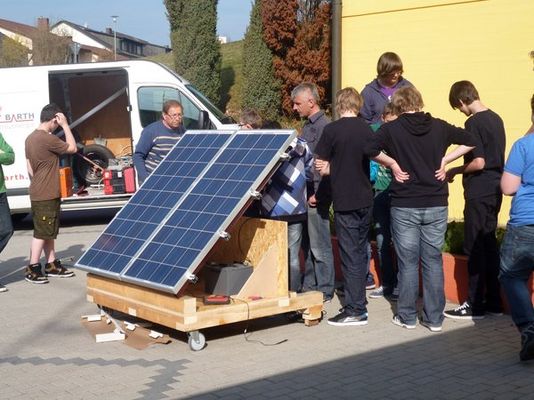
336,51
114,17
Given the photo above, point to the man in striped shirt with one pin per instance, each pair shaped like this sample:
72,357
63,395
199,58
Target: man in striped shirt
158,138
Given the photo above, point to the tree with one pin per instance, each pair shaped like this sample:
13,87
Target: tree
260,89
13,53
195,46
174,12
49,49
298,34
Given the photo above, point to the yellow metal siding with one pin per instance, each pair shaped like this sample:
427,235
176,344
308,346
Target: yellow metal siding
486,41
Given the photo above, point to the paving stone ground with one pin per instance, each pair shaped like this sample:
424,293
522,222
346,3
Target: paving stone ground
45,353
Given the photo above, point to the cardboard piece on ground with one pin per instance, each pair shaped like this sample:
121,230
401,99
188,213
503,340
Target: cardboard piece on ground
138,339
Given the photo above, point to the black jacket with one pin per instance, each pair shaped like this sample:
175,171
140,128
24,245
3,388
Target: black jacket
418,142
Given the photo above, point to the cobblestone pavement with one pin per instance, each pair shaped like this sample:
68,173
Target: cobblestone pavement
45,353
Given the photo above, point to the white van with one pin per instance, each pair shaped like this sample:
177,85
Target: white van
107,105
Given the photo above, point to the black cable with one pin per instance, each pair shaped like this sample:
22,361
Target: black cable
247,334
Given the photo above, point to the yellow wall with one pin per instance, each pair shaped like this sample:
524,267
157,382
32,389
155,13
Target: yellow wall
486,41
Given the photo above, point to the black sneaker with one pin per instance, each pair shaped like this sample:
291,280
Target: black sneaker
34,274
463,312
527,343
56,270
344,319
2,288
396,320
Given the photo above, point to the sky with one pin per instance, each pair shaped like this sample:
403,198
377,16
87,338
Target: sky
144,19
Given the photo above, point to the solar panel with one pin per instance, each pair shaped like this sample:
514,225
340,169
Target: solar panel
167,228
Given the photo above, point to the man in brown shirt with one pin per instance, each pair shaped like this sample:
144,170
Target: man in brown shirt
42,158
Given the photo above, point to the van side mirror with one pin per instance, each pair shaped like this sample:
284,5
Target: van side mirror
204,120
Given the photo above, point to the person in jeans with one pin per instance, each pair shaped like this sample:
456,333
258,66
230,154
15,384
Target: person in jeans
7,157
381,180
416,145
517,250
284,196
482,170
340,154
316,241
376,95
43,150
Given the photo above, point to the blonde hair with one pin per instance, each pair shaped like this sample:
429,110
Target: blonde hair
406,99
348,100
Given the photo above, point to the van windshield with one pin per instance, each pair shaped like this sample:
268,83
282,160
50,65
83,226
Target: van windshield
225,119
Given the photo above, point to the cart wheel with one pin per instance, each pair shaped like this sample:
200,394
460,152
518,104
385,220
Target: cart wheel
196,340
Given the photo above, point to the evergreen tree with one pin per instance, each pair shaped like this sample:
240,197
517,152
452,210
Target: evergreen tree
196,50
298,34
260,89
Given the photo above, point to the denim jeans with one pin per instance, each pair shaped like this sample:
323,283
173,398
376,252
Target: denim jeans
317,249
517,264
382,225
418,235
294,239
6,226
352,228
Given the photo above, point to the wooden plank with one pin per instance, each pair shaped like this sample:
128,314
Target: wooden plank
186,313
250,240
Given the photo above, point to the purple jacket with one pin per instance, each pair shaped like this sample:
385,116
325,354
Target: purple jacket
374,100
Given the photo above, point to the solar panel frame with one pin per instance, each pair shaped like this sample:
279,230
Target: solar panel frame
240,146
150,184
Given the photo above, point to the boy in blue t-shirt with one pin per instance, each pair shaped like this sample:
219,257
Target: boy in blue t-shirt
517,250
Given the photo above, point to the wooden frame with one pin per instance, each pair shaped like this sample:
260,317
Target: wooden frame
262,243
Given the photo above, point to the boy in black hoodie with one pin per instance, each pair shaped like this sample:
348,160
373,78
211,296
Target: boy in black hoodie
416,144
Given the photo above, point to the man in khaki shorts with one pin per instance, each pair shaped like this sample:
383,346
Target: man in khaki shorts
43,150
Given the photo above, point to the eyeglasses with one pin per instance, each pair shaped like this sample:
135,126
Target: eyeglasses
177,115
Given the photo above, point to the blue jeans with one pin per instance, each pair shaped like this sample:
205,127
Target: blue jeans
6,226
352,228
517,264
317,249
294,239
382,225
418,235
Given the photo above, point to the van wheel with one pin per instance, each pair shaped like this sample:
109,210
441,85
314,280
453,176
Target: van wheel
87,173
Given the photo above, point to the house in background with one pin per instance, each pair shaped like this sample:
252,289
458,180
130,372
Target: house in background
83,44
94,45
19,33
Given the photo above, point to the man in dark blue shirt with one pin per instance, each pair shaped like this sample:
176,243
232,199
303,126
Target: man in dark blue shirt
158,138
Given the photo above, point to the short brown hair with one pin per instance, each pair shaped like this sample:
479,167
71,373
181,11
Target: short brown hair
251,117
463,91
167,105
406,99
532,104
348,99
388,63
388,110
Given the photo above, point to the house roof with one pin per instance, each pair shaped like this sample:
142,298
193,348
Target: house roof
96,35
20,29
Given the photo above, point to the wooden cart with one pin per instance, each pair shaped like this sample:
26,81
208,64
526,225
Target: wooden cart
260,242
